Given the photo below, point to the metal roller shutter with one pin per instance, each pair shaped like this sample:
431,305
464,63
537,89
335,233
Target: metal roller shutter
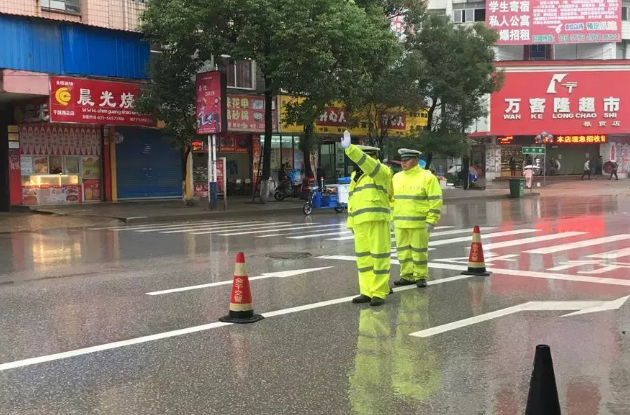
147,166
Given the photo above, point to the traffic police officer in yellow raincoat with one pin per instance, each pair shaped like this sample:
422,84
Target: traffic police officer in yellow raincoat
417,205
369,217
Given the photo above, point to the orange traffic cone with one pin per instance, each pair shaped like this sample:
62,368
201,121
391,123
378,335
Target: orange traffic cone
241,305
476,262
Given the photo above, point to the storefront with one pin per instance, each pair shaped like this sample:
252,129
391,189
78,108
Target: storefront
582,107
147,164
60,164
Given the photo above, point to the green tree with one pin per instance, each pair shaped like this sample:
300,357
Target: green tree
319,49
457,75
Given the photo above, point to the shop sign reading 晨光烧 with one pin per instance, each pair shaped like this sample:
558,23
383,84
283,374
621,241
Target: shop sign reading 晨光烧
562,102
581,139
528,22
92,101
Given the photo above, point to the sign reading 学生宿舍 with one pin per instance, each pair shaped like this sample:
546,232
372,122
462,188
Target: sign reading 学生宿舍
529,22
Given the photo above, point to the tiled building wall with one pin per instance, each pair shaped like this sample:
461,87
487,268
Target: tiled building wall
111,14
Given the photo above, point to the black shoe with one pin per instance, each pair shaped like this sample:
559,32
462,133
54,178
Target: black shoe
391,291
361,299
377,302
421,283
401,282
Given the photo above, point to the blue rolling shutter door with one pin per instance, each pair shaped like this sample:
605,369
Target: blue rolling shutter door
147,166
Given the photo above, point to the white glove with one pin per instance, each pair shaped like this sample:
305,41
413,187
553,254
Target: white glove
430,228
346,140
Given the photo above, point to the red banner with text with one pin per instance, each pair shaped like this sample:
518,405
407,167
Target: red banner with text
92,101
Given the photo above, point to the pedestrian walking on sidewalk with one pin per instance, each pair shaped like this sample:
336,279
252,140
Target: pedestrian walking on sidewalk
369,217
587,169
613,169
417,208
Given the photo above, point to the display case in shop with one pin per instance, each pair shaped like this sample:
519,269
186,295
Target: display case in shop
60,179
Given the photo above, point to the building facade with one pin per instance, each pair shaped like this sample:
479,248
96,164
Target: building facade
566,67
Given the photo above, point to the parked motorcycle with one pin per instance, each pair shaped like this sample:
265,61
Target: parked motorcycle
287,189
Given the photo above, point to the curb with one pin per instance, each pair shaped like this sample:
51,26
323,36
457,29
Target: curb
242,213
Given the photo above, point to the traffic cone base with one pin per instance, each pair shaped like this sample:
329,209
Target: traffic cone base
476,261
542,398
241,310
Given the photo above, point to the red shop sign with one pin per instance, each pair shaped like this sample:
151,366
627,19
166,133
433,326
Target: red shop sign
91,101
333,117
246,113
562,102
528,22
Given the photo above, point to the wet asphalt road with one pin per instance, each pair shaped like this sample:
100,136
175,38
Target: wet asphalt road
79,333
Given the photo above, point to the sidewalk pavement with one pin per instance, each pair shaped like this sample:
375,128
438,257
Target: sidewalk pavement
161,211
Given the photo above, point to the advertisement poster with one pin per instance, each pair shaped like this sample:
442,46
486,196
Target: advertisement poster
256,159
92,101
201,190
247,113
64,140
91,168
528,22
220,175
92,190
211,108
51,195
587,103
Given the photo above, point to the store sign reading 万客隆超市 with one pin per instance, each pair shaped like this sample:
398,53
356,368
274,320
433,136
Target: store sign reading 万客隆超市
562,102
581,139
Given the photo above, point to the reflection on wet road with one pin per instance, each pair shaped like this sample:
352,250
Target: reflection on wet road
119,319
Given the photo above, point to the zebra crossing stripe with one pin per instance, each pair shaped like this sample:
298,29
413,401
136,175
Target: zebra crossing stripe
580,244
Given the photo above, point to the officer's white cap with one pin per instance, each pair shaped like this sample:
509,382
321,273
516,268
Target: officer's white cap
406,153
369,149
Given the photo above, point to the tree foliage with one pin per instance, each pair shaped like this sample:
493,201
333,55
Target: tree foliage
322,50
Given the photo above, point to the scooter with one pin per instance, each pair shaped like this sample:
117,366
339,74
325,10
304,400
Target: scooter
286,189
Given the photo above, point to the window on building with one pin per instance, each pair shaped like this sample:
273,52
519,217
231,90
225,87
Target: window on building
469,15
538,52
240,73
67,6
624,13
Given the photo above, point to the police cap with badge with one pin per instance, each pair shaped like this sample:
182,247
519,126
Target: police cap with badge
407,154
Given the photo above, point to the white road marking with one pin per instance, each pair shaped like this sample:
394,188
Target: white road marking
296,225
109,346
279,274
157,226
619,253
221,228
532,240
487,236
288,232
583,307
317,235
195,329
454,232
581,244
536,274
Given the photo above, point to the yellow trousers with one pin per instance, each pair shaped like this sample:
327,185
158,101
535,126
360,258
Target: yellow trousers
412,247
372,245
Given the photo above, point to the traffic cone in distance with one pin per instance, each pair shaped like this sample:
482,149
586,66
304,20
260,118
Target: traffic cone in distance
241,309
543,393
476,262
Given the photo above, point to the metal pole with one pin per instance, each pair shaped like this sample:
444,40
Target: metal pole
212,173
545,167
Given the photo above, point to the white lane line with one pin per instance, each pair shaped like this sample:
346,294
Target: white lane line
536,274
278,274
109,346
618,253
534,239
221,228
155,226
273,226
318,235
195,329
434,234
486,236
581,244
298,225
290,232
